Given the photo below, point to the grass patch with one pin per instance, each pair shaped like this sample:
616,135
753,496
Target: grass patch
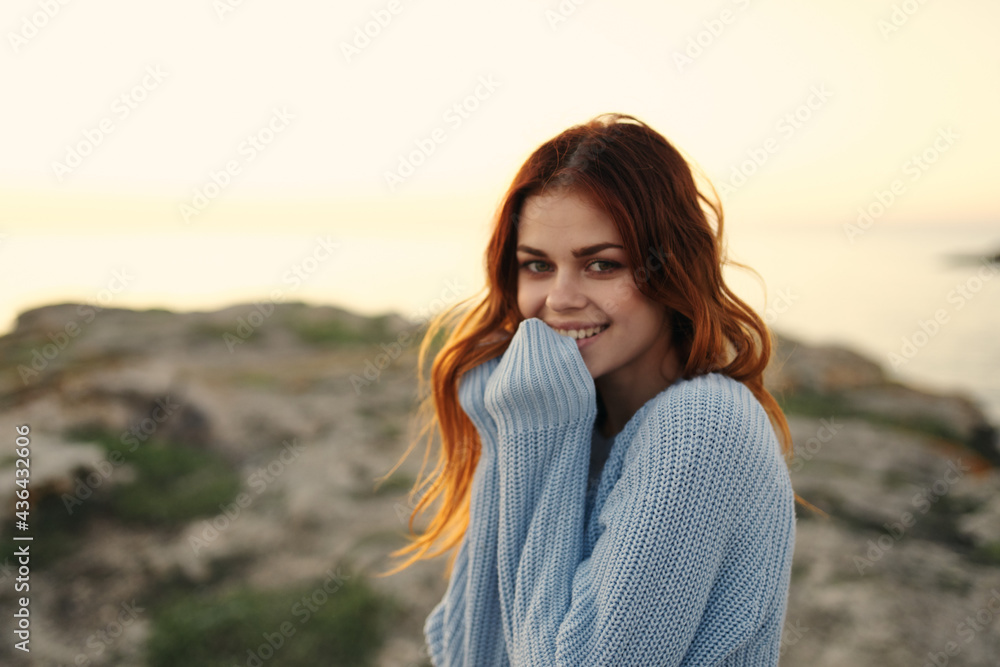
173,484
252,378
398,483
987,554
389,431
896,479
211,331
811,404
337,332
338,620
953,581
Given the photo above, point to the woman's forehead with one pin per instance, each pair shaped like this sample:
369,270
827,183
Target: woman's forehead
564,213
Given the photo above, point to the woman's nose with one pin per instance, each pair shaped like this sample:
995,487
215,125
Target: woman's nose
565,293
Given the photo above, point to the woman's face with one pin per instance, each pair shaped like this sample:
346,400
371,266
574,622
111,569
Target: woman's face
573,274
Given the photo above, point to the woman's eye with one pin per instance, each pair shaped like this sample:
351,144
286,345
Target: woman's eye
611,266
598,266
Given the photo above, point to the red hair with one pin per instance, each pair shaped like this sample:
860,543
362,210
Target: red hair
648,190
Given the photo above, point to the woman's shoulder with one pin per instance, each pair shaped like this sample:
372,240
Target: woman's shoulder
713,431
711,407
705,394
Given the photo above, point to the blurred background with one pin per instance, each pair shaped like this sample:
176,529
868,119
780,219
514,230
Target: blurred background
224,223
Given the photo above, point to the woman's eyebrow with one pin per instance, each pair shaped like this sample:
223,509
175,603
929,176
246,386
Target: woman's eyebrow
578,252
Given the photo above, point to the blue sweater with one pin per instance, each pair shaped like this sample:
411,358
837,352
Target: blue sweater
681,556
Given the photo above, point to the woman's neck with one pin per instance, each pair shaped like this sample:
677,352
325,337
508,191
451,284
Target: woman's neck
616,405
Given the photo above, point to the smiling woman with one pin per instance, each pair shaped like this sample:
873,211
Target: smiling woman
612,469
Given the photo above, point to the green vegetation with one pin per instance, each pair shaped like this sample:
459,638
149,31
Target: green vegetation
338,620
896,480
437,342
398,483
337,332
951,580
799,570
380,418
811,404
211,331
173,484
987,554
256,378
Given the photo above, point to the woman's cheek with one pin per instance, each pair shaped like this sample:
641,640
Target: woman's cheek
621,293
528,300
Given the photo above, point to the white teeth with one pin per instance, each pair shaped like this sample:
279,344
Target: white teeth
577,334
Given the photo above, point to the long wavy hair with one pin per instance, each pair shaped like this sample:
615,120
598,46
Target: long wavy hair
649,191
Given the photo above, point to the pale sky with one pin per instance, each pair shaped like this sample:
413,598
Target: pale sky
117,114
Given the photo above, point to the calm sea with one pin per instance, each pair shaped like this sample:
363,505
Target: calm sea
893,294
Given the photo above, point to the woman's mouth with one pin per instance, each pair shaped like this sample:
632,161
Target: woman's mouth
583,337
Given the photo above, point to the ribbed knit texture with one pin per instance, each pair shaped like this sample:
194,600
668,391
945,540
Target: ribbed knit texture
681,557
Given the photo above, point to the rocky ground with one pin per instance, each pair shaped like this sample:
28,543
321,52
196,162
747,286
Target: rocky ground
190,457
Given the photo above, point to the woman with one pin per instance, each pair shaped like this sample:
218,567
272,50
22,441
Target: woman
614,478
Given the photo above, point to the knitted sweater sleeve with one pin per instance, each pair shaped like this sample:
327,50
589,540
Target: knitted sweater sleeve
654,574
453,630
